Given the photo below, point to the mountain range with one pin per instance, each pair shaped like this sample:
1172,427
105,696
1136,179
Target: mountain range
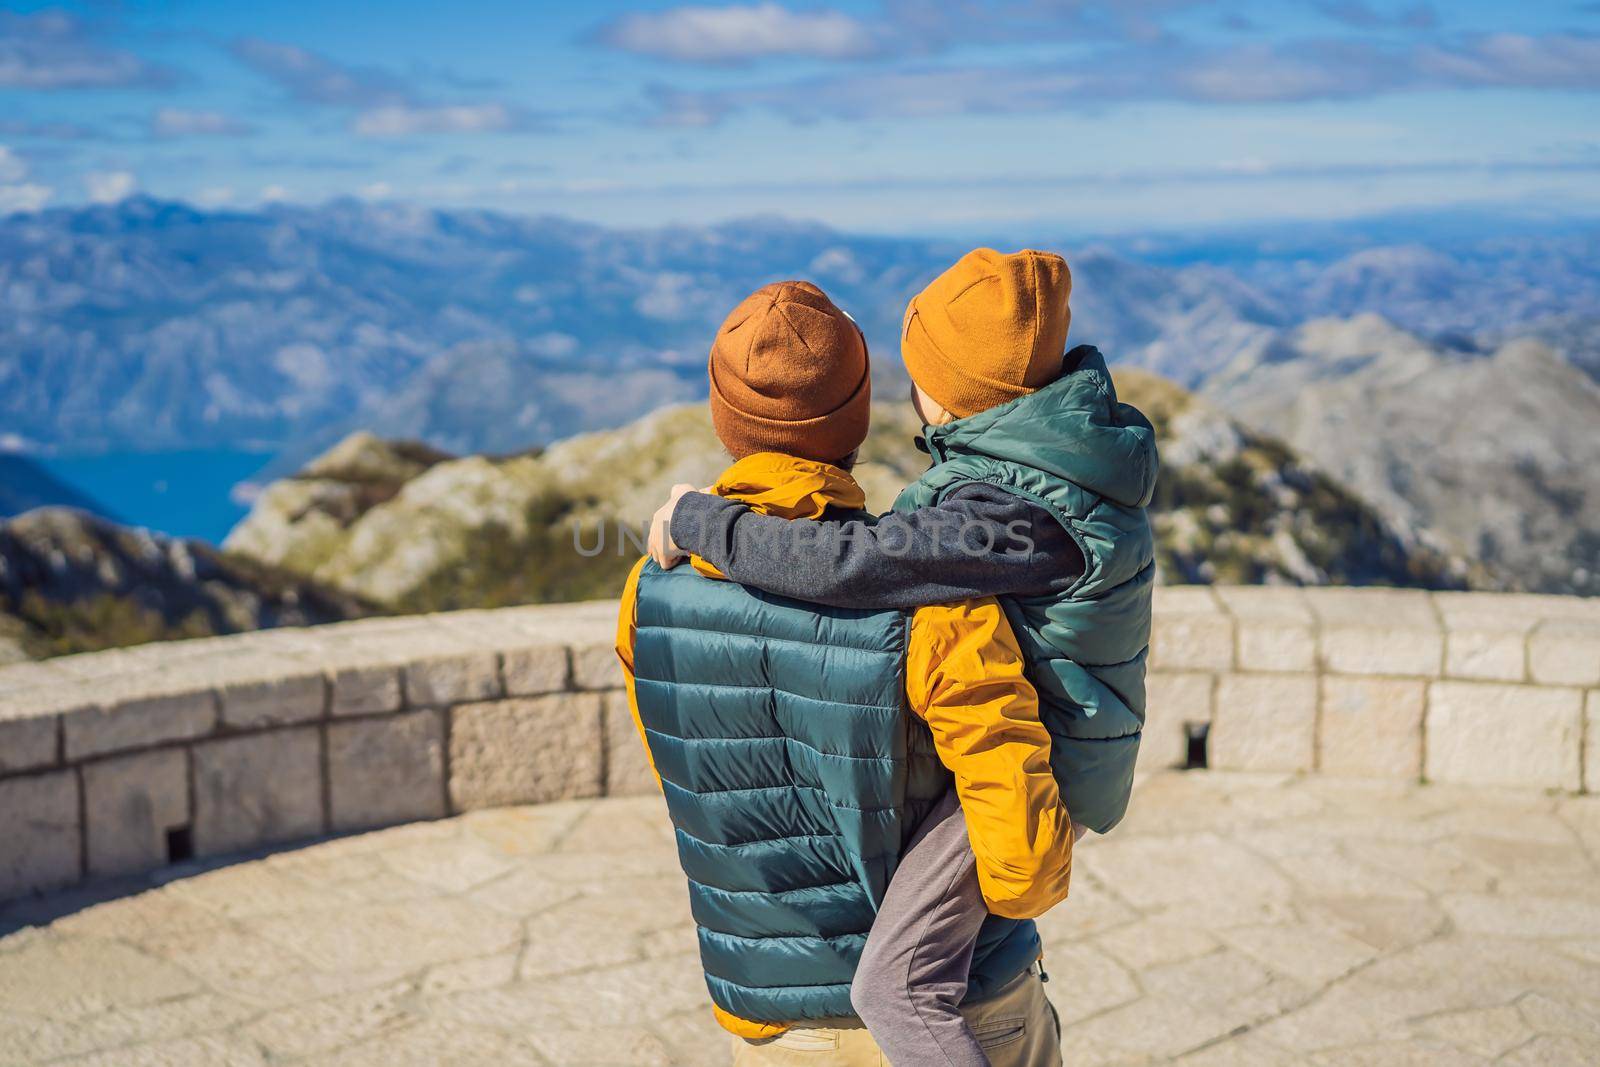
1495,453
149,325
396,525
74,582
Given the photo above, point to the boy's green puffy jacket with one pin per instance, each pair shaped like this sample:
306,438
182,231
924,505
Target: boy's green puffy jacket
1091,462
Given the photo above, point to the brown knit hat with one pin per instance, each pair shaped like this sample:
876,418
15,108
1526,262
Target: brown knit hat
789,374
989,329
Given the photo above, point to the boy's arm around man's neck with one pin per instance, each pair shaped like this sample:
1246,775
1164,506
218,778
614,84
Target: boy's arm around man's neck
981,540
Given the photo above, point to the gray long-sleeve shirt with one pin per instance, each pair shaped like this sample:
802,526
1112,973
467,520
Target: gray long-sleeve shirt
979,541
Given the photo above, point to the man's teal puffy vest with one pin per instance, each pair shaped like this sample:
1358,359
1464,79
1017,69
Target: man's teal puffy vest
794,774
1091,462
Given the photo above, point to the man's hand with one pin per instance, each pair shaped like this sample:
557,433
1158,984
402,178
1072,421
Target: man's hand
662,549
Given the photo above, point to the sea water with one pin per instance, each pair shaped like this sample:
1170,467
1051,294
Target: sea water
188,493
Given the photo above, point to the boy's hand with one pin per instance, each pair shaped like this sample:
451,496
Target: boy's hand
662,548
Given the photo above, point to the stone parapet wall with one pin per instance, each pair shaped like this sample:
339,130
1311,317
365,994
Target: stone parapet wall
1470,688
119,762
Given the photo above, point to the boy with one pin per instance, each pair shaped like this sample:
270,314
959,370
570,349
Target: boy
1036,494
793,774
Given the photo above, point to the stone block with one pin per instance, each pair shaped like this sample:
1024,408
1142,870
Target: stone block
1265,602
1493,655
1375,648
40,827
1410,608
1276,646
139,720
1190,633
595,666
589,623
117,663
535,670
1186,599
1378,631
386,771
1264,722
1514,611
526,750
452,679
1371,727
17,677
130,804
628,770
273,700
366,690
1591,743
1565,653
257,789
1481,733
29,742
1173,700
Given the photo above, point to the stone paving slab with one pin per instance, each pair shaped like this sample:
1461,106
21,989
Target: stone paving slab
1235,919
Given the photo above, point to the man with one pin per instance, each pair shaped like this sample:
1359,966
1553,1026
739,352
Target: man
803,749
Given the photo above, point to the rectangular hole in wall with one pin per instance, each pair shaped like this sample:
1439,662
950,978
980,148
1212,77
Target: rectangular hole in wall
1197,734
180,844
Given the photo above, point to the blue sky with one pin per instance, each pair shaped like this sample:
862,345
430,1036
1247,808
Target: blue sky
893,116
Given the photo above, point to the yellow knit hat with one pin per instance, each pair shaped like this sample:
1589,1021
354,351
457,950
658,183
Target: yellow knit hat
988,330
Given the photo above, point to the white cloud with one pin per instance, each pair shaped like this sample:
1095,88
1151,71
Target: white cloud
48,129
272,194
377,191
382,102
214,196
178,122
1359,14
404,120
16,194
54,50
1549,61
739,34
109,187
316,79
12,166
27,196
1250,74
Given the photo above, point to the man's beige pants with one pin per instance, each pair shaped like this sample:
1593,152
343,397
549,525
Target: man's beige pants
1017,1027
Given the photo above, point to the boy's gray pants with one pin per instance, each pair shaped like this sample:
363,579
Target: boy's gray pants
913,971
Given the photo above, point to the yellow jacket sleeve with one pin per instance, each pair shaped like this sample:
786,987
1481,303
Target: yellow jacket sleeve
964,677
627,631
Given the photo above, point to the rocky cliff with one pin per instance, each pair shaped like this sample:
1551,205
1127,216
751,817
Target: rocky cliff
1493,451
421,533
71,582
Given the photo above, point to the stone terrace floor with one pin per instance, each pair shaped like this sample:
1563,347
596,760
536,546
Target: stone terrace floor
1233,920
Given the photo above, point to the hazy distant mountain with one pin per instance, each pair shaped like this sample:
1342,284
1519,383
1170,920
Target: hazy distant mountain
1494,285
25,485
1182,324
500,396
71,582
1575,337
424,534
1496,452
152,325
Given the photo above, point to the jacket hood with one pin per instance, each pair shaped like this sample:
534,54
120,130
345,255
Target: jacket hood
772,483
1074,428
